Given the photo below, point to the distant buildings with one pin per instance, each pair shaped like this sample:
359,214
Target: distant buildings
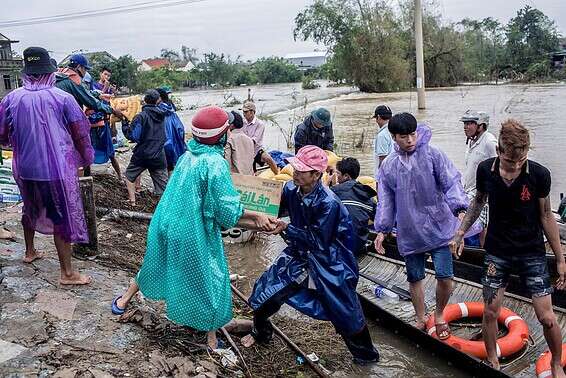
307,61
559,57
10,67
153,64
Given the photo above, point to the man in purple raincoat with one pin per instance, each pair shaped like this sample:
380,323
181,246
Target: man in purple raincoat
420,193
49,134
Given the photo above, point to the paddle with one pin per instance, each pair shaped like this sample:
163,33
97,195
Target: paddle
403,294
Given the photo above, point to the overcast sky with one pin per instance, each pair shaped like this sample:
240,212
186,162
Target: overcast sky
250,28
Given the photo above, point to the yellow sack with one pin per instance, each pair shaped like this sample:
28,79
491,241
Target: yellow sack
332,158
282,177
287,170
130,106
367,180
267,174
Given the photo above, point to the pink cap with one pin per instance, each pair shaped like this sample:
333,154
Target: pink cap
309,158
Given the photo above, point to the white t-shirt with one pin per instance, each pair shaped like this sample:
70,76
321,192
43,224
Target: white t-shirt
481,149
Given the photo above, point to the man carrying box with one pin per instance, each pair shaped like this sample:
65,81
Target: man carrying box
317,273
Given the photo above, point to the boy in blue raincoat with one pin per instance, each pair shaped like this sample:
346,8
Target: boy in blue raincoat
420,193
317,273
174,130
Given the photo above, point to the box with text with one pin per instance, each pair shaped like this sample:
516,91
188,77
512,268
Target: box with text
258,194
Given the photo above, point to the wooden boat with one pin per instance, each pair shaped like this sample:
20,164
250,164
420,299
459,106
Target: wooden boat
399,315
470,267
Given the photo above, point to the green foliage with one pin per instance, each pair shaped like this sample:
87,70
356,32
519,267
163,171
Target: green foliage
157,78
309,83
275,70
371,43
530,36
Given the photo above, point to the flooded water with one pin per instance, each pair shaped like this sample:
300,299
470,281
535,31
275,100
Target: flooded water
540,107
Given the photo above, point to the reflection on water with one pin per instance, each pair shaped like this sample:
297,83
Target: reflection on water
399,356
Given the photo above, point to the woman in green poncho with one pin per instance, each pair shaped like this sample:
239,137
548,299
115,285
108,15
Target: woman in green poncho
184,264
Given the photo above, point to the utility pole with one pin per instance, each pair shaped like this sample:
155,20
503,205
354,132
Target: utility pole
420,55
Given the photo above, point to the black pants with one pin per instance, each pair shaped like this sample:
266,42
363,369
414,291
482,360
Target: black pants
359,344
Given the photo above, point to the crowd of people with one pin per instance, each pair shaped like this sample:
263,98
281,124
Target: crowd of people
58,124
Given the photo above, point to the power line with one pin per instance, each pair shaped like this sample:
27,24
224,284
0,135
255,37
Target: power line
96,13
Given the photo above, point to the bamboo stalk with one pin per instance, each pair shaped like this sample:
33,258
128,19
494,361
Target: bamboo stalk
123,213
233,344
317,368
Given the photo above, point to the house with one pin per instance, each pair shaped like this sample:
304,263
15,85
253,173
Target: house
307,61
153,64
558,58
10,67
98,56
185,66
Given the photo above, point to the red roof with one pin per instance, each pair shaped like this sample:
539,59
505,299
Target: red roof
156,63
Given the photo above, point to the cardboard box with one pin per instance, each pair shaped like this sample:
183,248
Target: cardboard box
258,194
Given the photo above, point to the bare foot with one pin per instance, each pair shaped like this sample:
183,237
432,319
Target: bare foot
247,341
122,303
75,279
32,256
239,326
557,371
421,323
494,363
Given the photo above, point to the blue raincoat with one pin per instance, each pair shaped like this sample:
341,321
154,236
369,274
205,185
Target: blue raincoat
320,244
175,132
421,193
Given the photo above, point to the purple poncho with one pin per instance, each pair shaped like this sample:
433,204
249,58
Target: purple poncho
421,194
49,134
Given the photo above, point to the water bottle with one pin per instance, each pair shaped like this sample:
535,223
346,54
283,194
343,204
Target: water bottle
4,198
382,292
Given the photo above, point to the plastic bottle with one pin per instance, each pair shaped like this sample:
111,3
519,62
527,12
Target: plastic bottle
382,292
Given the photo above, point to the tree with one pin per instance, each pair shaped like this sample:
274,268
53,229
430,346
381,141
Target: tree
171,55
189,54
124,72
276,70
531,36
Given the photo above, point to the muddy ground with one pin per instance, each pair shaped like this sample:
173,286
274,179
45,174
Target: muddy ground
50,330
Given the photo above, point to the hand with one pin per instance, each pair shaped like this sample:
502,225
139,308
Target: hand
561,281
281,226
105,97
265,223
378,242
456,245
118,113
461,216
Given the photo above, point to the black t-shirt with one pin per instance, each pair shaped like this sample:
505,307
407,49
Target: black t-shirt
514,211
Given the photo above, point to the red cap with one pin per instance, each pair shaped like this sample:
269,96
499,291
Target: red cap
309,158
210,124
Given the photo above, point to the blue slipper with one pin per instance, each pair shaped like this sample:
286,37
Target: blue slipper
219,345
115,309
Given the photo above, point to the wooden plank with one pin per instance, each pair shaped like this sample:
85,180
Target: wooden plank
87,195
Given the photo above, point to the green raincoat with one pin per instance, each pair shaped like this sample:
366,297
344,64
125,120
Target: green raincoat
184,263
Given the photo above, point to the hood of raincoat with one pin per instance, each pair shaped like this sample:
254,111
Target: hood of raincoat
67,73
424,135
421,194
154,112
167,108
37,83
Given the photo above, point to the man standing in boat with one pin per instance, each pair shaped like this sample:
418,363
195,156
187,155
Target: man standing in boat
420,193
518,192
383,143
481,145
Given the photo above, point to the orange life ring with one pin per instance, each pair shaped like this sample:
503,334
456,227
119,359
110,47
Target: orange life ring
543,363
507,345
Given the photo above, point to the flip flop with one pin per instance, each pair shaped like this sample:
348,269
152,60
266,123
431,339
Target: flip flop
38,256
443,331
115,309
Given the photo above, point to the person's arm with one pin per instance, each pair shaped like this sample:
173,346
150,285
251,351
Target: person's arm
320,234
79,128
450,182
85,98
474,210
385,211
300,138
329,140
552,233
250,220
4,126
